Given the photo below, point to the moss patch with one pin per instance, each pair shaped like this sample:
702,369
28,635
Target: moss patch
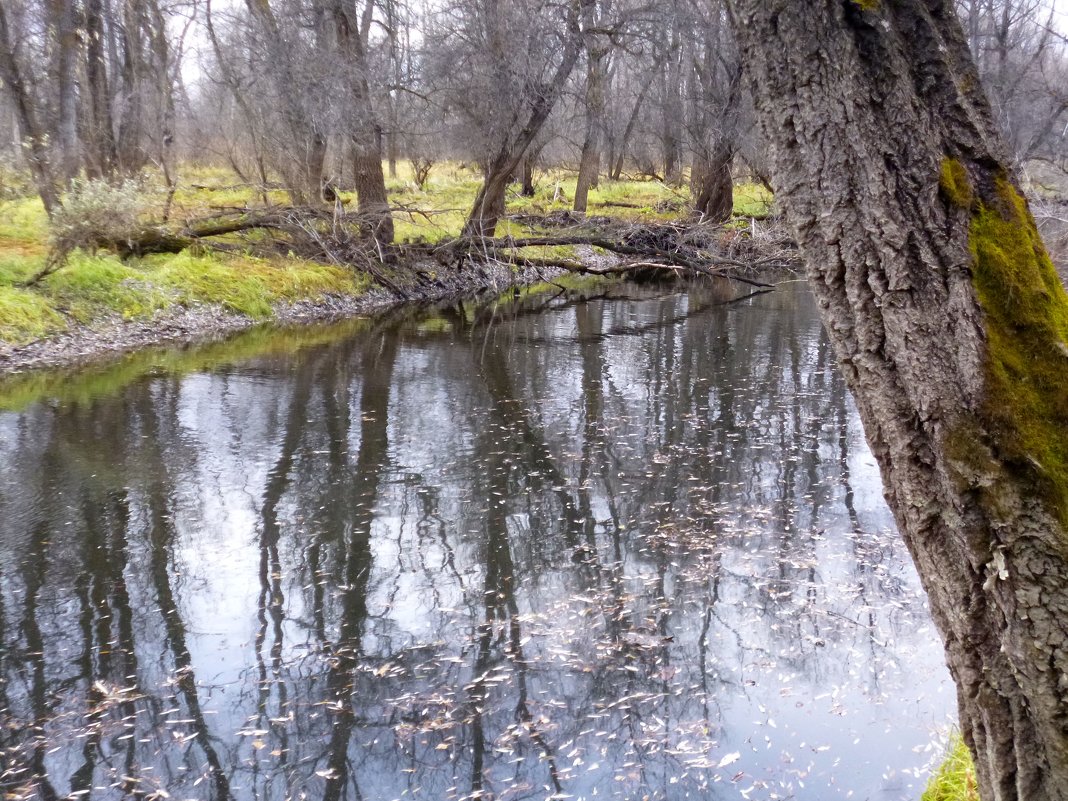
248,285
954,184
91,286
1026,311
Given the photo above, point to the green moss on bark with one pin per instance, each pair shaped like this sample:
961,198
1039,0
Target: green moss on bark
954,184
1026,311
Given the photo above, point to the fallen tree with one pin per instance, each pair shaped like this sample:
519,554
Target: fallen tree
335,236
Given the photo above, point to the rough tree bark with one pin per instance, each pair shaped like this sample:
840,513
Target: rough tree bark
129,145
64,23
671,115
711,184
526,178
98,125
951,327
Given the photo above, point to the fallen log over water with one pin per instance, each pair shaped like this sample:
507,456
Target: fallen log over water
336,236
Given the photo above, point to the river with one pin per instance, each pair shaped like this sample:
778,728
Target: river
618,542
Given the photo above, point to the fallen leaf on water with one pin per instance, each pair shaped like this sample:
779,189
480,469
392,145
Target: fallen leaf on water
730,759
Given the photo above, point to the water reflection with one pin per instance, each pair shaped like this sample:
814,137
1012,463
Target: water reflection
620,543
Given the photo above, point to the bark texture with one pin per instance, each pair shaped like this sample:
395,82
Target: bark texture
951,328
98,125
367,134
712,185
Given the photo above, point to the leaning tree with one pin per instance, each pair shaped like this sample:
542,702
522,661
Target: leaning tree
952,328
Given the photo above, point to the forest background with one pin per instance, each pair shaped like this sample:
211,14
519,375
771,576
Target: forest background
311,148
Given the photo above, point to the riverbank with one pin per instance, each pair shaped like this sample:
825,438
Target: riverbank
98,304
110,335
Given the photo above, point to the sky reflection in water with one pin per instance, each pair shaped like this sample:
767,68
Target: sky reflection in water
623,543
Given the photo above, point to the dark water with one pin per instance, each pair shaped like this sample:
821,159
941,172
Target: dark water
629,546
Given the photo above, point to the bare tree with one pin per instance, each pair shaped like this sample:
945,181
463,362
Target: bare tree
713,109
31,130
597,46
363,129
499,67
1023,63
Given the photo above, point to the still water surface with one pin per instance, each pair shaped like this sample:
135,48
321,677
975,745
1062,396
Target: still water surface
621,543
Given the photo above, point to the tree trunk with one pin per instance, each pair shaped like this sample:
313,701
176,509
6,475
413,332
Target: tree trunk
130,154
670,121
99,131
371,198
64,18
302,165
632,121
596,56
311,172
391,149
527,187
31,133
951,325
489,202
367,134
712,186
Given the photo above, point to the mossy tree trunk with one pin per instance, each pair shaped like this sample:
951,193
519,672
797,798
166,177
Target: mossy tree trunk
951,327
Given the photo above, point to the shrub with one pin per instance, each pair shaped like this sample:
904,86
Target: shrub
95,212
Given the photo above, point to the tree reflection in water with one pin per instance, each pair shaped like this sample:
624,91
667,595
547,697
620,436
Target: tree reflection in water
624,544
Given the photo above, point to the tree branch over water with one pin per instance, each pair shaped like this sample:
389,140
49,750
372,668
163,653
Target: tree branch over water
334,236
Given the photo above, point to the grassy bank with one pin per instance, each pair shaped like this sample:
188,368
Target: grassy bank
96,287
84,383
955,778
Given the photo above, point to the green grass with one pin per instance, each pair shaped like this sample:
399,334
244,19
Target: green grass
955,778
248,285
752,200
92,287
23,226
26,316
